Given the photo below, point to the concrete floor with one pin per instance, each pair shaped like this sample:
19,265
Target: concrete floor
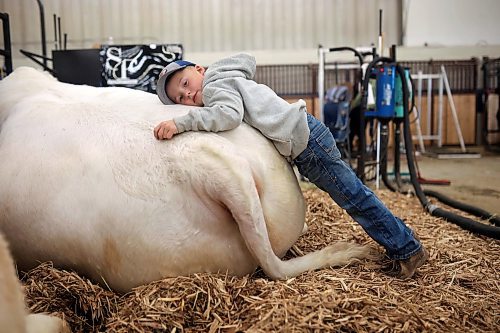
475,181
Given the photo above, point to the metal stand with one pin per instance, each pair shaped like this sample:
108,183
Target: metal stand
443,83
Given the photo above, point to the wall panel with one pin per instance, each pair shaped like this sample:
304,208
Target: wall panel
203,25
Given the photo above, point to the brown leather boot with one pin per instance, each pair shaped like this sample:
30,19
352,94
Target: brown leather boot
407,267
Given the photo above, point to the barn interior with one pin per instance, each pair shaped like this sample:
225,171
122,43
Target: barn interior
431,152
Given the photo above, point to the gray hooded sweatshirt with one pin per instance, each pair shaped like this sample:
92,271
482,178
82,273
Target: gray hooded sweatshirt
230,96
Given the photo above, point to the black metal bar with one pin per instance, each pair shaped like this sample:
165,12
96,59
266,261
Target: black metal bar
397,153
42,26
491,85
34,57
380,22
59,32
7,51
393,52
400,22
31,54
55,30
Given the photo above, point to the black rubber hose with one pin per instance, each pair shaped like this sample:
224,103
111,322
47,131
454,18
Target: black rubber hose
397,153
492,218
468,224
356,53
384,139
463,222
362,111
412,93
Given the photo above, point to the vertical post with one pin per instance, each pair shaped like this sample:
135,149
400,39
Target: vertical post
484,101
380,35
392,52
479,105
419,105
55,31
59,32
429,106
377,167
7,52
42,26
400,22
440,112
321,80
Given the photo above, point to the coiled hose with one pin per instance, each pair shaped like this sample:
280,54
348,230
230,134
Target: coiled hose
465,223
473,210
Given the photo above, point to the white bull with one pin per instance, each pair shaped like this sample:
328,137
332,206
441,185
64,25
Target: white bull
84,183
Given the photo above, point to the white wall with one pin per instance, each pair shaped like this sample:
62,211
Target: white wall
453,22
277,31
205,26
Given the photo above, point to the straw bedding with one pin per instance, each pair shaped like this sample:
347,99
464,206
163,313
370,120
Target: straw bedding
456,291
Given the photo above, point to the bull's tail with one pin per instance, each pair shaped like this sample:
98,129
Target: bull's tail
242,200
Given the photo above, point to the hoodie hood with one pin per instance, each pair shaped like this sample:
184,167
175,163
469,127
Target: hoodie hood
239,65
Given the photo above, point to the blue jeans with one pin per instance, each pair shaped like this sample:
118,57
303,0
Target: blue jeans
320,162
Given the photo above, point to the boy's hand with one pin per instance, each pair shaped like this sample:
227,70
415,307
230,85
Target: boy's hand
165,130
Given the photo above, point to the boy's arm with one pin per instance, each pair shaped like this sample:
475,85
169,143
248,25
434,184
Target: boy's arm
224,112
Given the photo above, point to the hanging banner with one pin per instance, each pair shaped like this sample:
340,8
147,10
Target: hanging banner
136,66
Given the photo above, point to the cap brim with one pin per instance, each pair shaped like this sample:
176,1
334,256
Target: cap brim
161,91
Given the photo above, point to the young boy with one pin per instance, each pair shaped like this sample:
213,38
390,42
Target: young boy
227,96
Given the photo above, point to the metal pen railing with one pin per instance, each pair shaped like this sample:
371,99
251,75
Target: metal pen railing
7,51
301,79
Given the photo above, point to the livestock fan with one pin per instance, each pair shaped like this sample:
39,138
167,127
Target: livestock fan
84,184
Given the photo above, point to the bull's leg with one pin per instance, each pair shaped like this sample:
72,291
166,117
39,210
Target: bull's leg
12,311
236,189
13,316
40,323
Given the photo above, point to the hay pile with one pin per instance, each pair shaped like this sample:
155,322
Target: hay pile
457,291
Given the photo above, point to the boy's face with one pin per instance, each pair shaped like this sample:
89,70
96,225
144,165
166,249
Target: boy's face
184,87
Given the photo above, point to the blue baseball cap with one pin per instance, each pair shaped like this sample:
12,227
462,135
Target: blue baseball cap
165,75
